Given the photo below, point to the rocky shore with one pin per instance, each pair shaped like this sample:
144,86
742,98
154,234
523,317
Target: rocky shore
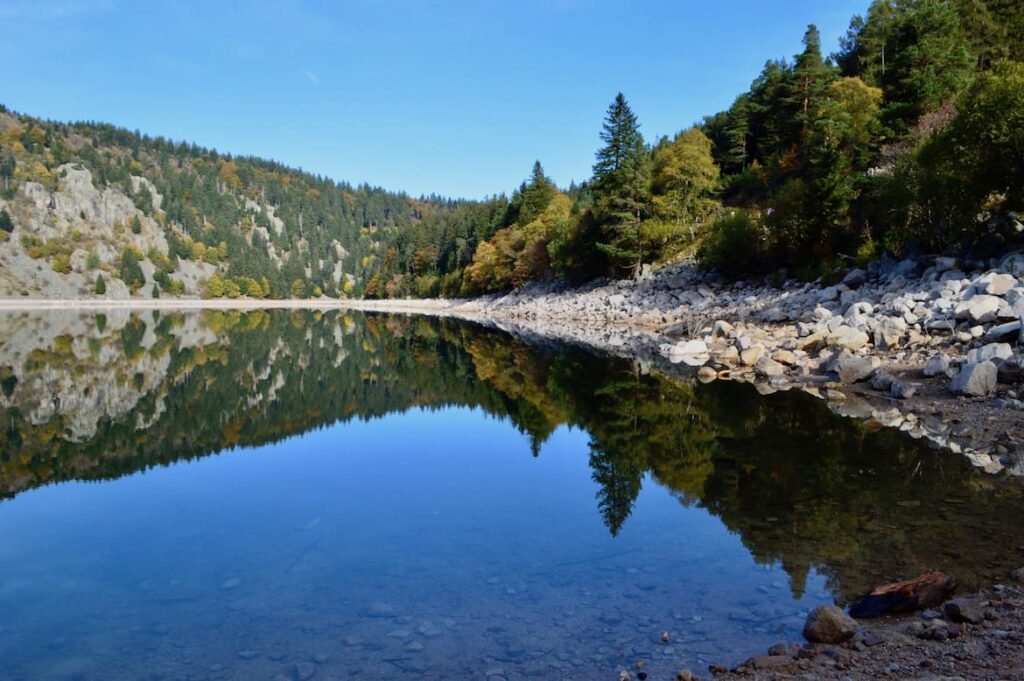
973,637
928,345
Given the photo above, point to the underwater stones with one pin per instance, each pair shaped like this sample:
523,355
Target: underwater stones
380,610
829,624
303,671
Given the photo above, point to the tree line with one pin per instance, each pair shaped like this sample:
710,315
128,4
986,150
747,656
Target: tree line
909,139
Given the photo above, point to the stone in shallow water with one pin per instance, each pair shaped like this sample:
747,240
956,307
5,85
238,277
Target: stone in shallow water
829,624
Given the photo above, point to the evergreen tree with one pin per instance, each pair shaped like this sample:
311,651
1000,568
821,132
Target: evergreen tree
6,224
131,272
101,286
621,187
811,75
534,196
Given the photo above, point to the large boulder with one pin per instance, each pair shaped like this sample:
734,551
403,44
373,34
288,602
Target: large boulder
853,369
939,364
980,309
994,284
890,332
990,352
829,624
976,380
847,337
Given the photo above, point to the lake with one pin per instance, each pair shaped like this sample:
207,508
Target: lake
295,495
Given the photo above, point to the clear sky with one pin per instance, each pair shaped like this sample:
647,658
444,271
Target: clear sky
456,98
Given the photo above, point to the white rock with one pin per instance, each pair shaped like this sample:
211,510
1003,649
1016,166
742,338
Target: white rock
979,309
939,364
994,284
847,337
990,352
976,379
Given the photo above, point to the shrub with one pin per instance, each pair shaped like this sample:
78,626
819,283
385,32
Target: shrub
61,263
131,272
734,246
6,224
101,286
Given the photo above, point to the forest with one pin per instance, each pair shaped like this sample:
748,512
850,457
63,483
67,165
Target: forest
907,140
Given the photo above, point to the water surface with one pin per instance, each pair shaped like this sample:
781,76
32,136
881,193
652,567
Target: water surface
229,495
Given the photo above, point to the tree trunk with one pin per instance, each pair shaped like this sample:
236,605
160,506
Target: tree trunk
926,591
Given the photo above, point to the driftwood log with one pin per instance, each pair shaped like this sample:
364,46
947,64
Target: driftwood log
927,591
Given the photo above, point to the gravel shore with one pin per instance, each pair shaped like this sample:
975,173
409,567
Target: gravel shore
930,345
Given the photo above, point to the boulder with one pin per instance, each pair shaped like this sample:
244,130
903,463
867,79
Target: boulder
853,369
722,329
889,333
784,357
1009,330
829,624
976,380
847,337
994,284
768,367
939,364
980,309
855,277
968,610
752,355
990,352
706,374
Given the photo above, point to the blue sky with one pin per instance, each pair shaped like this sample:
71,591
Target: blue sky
456,98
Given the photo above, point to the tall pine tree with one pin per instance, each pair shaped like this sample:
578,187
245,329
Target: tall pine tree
621,187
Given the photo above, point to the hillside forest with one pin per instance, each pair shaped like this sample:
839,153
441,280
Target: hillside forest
909,139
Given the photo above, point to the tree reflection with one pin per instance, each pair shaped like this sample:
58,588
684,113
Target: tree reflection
802,487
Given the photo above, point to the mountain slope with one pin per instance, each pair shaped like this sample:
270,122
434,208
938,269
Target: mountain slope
89,209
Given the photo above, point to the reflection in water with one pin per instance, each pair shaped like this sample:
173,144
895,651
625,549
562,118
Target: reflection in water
838,505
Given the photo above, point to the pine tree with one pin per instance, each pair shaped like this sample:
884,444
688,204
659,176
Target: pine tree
101,286
621,186
534,196
811,75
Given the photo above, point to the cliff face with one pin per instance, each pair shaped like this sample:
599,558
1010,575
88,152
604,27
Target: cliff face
87,229
91,210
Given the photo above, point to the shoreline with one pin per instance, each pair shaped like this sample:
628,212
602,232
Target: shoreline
866,345
923,645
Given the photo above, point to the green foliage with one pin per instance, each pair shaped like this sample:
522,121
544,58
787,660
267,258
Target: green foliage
734,245
972,172
61,263
130,271
6,224
101,286
621,187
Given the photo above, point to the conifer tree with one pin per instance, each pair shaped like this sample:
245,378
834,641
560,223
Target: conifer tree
621,187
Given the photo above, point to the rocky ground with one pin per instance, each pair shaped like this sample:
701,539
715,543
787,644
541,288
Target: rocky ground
927,345
974,637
